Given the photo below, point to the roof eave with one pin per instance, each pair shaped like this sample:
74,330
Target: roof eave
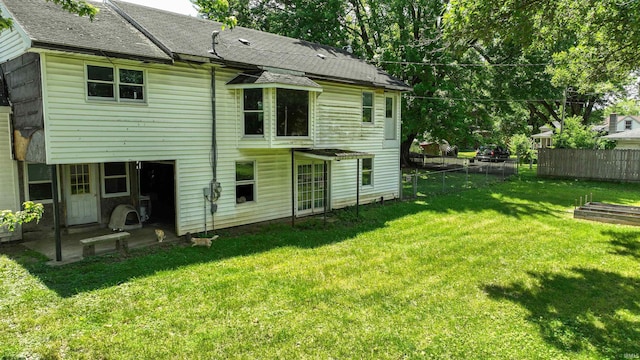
80,50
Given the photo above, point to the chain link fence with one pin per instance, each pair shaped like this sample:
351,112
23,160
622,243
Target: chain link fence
438,175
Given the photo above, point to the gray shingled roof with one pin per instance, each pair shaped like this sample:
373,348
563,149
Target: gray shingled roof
49,26
625,135
163,35
186,35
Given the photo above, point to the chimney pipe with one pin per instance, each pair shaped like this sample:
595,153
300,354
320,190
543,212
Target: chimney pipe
613,123
214,41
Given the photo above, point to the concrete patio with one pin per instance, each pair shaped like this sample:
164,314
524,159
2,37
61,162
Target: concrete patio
45,243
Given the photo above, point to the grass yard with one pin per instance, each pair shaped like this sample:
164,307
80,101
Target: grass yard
501,273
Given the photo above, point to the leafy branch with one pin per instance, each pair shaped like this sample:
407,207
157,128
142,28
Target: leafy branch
32,212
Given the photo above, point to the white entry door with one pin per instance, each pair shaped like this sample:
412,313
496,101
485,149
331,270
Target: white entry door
310,187
81,193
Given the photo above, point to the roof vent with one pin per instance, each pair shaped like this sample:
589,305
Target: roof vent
348,49
321,56
244,41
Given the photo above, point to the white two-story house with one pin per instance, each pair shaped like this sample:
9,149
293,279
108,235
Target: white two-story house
189,123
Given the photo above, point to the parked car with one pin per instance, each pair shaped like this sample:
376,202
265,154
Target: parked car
492,153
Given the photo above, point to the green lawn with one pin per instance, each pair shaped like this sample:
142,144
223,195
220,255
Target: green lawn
503,272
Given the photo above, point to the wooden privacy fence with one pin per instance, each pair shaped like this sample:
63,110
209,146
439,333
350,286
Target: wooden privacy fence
610,165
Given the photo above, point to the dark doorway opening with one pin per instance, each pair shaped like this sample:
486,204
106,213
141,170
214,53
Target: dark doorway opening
157,183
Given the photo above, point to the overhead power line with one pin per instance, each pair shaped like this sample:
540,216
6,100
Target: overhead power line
478,99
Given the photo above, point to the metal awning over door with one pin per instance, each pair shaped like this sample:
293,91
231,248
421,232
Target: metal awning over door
327,155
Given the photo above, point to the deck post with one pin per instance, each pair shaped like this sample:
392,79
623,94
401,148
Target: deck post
56,211
358,189
293,187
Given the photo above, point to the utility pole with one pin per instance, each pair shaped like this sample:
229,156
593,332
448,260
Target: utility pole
564,106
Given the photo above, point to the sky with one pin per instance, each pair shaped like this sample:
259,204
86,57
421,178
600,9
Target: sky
178,6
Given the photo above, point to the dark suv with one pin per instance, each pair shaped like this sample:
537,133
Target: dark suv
492,153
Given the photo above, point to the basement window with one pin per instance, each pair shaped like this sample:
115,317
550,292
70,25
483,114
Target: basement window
104,84
38,180
115,179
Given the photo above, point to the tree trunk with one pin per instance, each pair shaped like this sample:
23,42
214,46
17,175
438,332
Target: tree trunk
405,160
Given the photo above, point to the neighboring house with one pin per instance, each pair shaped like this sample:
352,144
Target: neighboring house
625,130
544,138
161,111
618,123
629,139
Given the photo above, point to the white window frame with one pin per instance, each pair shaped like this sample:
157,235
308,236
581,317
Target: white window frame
368,171
309,113
371,107
116,83
628,124
392,118
252,182
27,182
244,112
105,177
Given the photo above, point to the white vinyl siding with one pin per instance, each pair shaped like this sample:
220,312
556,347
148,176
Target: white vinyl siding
340,126
175,124
13,42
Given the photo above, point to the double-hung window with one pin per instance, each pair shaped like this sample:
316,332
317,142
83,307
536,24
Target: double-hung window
245,181
367,171
115,179
253,112
292,112
628,124
117,84
38,183
367,107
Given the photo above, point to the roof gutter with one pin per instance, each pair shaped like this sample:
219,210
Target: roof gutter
141,28
65,48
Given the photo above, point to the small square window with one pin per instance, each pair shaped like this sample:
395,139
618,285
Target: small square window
131,85
245,181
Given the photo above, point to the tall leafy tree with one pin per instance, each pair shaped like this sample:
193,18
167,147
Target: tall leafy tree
589,45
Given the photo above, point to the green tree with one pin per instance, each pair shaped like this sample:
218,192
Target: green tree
576,135
79,7
593,42
623,107
31,212
521,146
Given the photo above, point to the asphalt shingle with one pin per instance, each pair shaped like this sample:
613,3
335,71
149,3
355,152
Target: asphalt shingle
49,26
187,35
165,36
